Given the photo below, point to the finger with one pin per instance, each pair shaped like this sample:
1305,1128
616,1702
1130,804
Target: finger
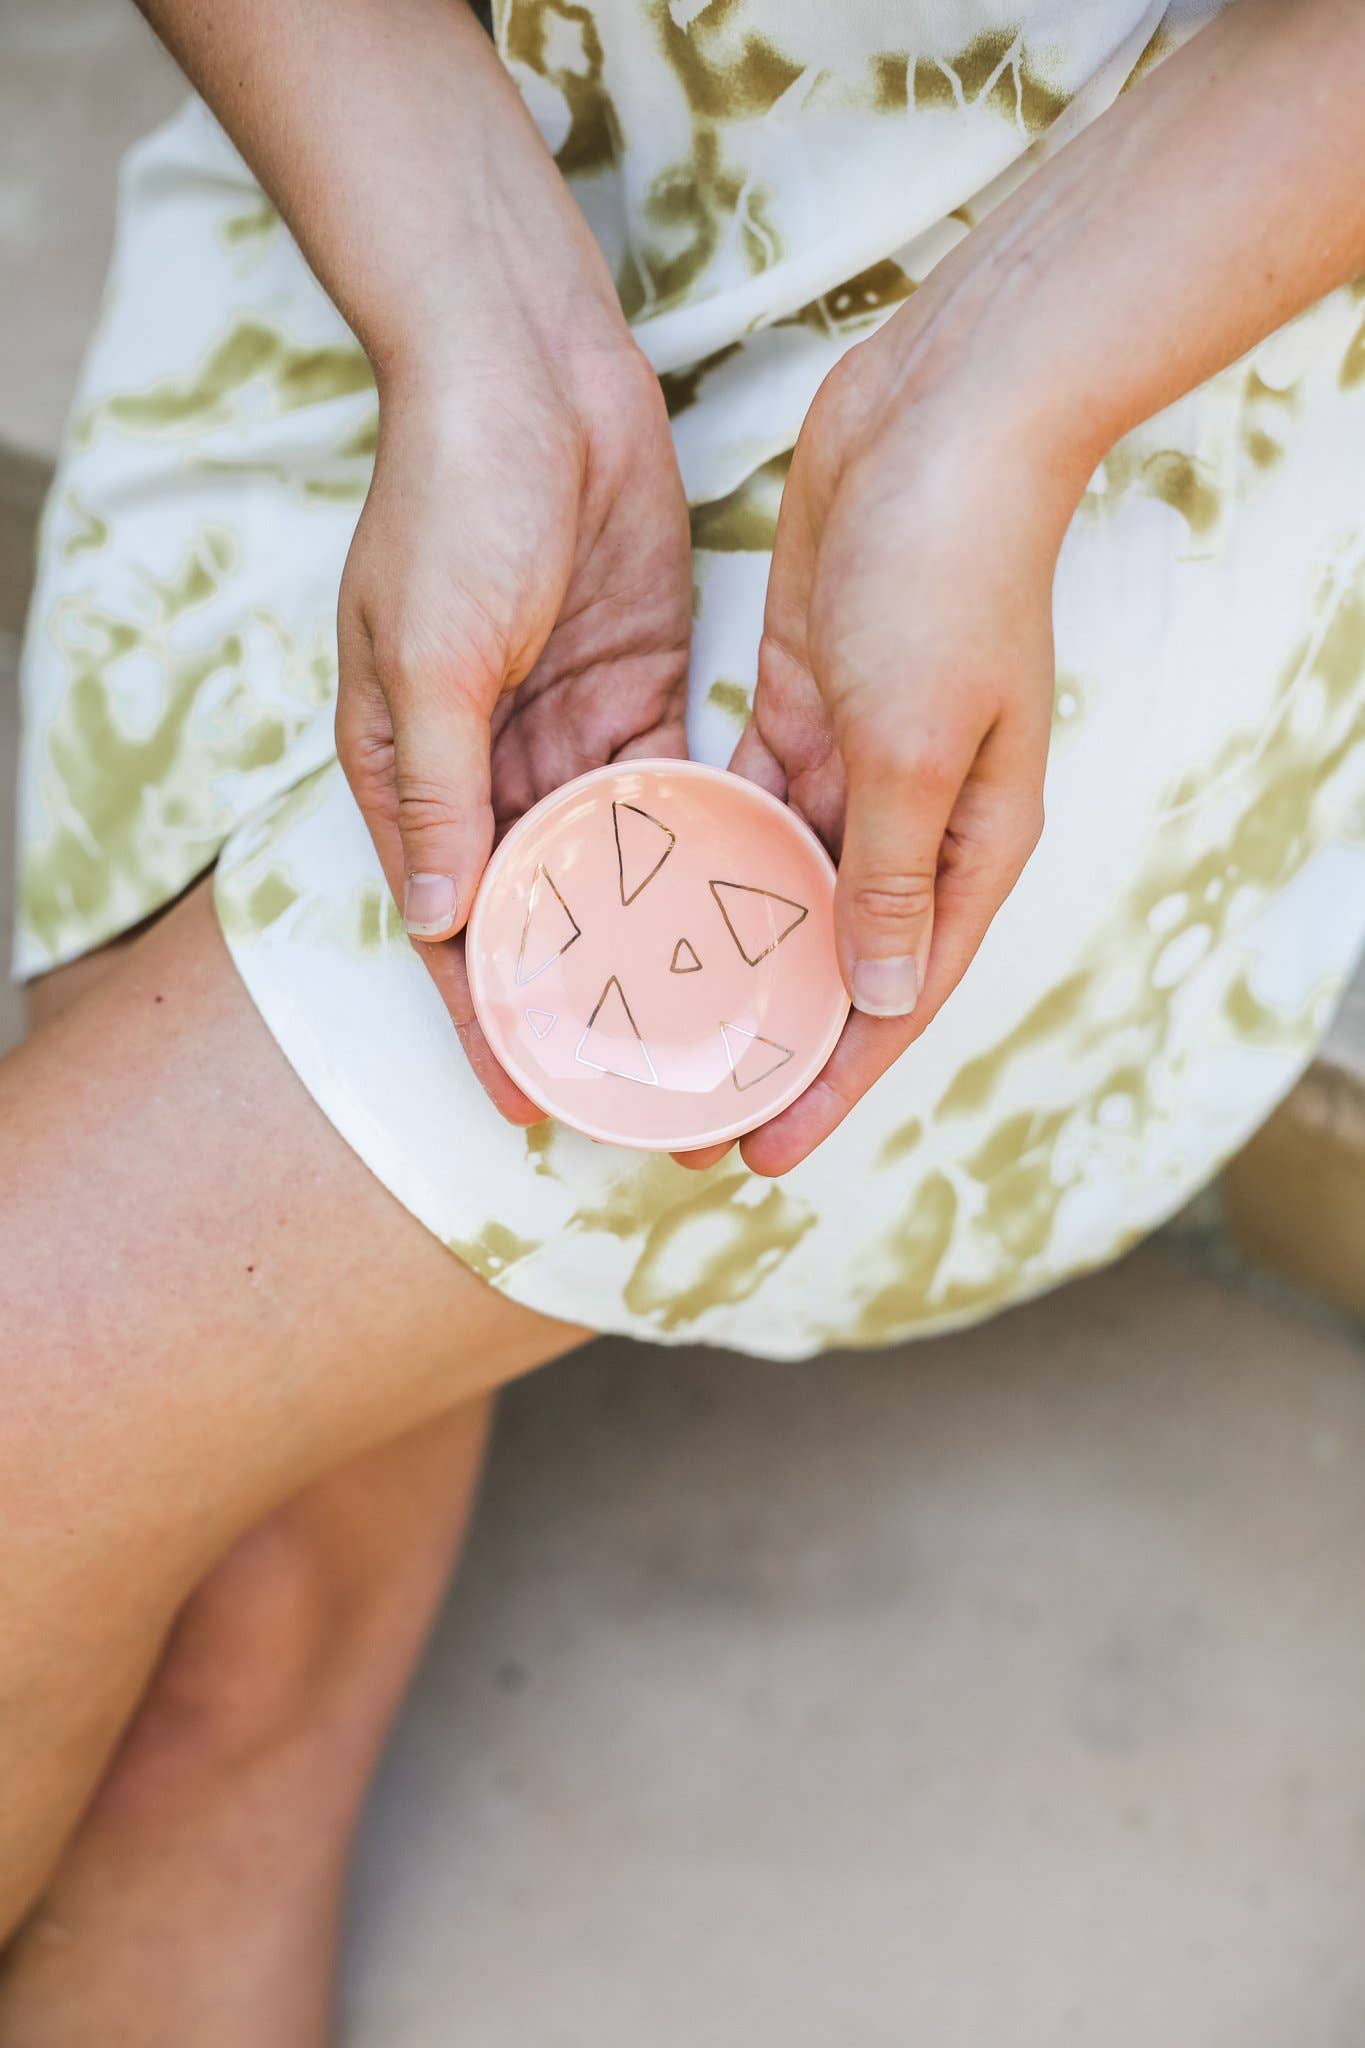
443,800
666,740
708,1155
903,779
756,762
867,1043
366,752
786,700
364,740
446,966
789,748
988,843
992,832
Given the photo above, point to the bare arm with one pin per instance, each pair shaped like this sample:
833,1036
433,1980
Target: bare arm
1215,201
396,146
906,676
525,527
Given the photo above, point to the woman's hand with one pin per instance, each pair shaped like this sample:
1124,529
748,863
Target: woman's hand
905,681
516,609
904,697
906,671
520,576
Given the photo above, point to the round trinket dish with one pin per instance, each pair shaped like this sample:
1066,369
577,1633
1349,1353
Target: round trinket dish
651,955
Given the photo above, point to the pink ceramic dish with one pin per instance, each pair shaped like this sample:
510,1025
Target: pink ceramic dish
651,955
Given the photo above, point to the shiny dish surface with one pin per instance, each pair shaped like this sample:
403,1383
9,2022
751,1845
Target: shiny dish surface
651,955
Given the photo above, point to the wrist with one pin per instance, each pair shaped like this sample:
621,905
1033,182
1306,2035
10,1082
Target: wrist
493,323
979,436
501,268
1000,344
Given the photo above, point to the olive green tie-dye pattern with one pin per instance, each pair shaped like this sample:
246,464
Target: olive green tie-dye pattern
136,807
769,180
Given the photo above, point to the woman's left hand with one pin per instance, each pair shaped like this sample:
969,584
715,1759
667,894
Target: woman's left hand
905,678
904,697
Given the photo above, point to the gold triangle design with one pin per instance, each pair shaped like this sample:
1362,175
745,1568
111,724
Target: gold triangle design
747,889
684,959
610,1002
542,1022
734,1054
672,838
524,974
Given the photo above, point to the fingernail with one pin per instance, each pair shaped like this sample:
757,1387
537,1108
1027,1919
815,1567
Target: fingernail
885,988
429,905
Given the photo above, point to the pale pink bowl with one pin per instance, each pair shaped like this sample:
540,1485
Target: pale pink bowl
651,955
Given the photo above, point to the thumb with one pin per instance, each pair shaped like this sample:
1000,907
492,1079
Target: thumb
442,800
899,799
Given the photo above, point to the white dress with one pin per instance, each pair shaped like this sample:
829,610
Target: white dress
769,179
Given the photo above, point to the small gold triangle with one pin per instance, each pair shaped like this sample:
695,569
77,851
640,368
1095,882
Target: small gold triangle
770,896
734,1054
614,995
542,876
628,897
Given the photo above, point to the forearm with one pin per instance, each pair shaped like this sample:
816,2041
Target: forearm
1210,205
404,160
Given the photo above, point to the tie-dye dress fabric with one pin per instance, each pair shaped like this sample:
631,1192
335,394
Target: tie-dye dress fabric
769,179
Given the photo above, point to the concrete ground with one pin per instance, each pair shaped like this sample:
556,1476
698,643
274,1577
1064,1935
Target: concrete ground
1003,1688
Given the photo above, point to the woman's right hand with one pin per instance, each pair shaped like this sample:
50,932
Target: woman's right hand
517,603
516,609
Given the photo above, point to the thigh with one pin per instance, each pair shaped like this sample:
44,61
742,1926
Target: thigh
206,1300
46,998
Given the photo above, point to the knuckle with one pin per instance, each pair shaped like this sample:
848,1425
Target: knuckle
425,649
1030,832
364,750
885,751
895,899
871,753
836,1098
635,382
846,394
1022,836
781,670
1037,823
941,774
348,754
423,805
403,660
925,764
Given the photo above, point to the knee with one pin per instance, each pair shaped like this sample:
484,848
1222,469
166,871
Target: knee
252,1659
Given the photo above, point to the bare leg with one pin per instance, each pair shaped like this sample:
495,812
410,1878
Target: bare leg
197,1901
177,1224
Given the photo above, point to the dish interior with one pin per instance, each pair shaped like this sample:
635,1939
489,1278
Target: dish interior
651,955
